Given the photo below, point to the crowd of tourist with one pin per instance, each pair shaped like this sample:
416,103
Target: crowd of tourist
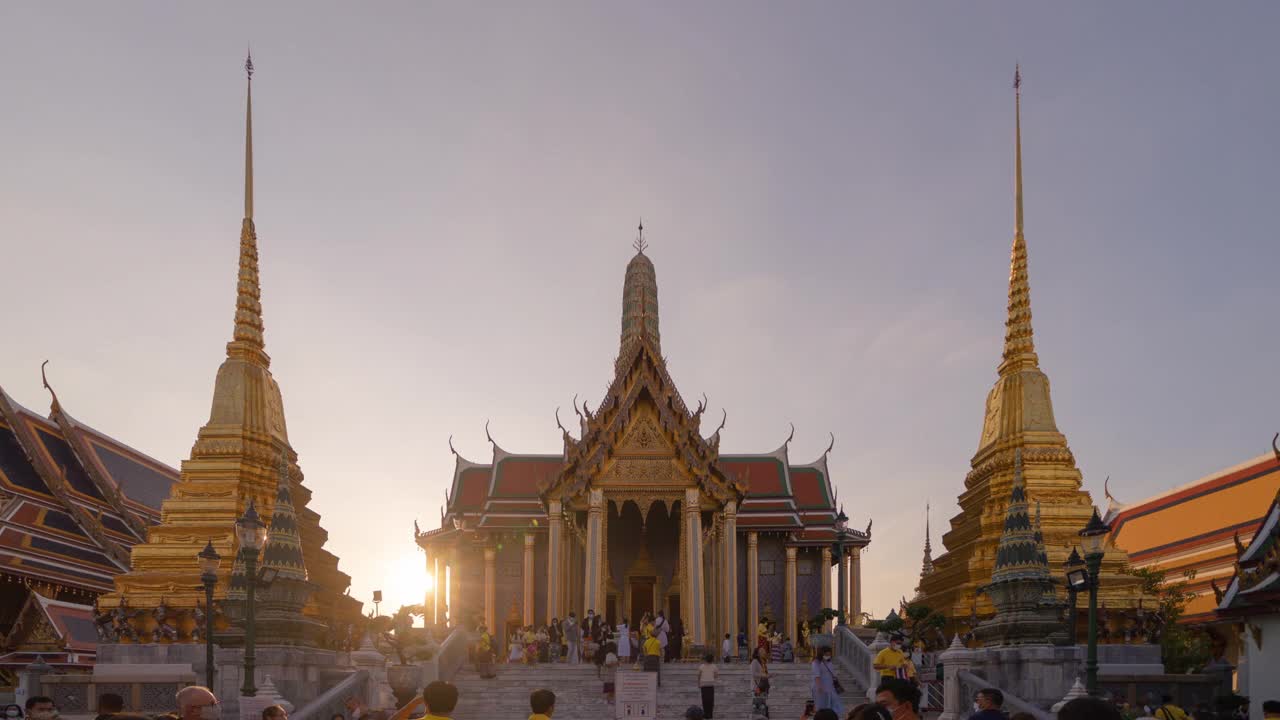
895,699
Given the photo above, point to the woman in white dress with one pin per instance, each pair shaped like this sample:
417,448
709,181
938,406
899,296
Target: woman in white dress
660,627
624,642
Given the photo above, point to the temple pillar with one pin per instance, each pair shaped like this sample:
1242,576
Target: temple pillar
437,584
694,600
555,558
529,539
826,585
715,581
731,570
453,603
844,589
855,579
490,588
753,589
789,629
593,577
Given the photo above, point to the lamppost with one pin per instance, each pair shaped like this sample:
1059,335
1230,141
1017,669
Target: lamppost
1077,580
377,600
209,560
1092,539
842,523
252,534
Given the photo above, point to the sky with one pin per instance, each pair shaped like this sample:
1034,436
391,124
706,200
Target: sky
446,196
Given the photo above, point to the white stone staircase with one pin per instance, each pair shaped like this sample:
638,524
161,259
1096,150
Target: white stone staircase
579,693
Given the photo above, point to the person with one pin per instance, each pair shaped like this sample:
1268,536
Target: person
555,636
788,651
13,711
357,710
543,704
707,672
900,698
726,648
1168,710
889,660
1271,710
573,638
624,642
196,702
109,704
986,705
40,707
591,626
1088,708
762,634
338,716
440,698
653,656
661,628
484,653
274,712
610,671
825,694
760,672
826,714
1022,716
694,713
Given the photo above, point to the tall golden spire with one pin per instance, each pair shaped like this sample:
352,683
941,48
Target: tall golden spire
1019,344
247,342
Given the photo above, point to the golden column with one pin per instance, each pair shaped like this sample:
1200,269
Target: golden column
528,578
697,627
490,588
789,629
731,569
826,585
753,589
436,585
715,580
555,559
453,606
855,579
593,585
847,588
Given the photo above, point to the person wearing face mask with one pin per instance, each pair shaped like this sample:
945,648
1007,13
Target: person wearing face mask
826,689
891,659
13,712
900,698
986,705
198,703
41,708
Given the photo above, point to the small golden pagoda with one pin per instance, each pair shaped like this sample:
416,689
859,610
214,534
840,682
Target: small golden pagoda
236,459
1019,417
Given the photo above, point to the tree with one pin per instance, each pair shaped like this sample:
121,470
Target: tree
1183,649
398,632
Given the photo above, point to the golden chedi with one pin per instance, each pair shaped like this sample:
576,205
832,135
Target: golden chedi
1019,417
236,459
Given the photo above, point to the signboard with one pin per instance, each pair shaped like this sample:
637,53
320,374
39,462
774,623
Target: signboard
636,695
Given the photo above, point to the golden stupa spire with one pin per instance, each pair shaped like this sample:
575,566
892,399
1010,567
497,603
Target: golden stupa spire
1019,344
247,342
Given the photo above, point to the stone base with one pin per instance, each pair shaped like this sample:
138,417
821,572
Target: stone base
1037,674
1129,660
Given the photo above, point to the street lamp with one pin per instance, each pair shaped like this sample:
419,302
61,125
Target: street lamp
842,523
1092,539
209,560
252,534
1077,581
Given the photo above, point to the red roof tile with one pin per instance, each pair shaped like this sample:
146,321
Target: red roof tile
763,476
472,490
519,476
810,487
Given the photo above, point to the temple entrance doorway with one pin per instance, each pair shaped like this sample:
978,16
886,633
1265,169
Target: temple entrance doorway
640,599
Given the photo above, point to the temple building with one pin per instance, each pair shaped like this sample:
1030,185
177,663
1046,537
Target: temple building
640,512
1198,528
73,502
1018,418
241,455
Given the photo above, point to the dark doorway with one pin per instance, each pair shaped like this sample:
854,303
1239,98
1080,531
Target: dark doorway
641,598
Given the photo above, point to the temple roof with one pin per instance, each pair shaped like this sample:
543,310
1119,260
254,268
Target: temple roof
1255,585
74,515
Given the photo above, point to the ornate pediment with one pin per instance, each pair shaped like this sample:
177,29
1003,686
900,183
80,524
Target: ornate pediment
645,437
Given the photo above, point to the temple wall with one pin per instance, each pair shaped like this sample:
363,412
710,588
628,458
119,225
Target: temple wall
540,579
470,610
744,620
773,577
509,582
808,586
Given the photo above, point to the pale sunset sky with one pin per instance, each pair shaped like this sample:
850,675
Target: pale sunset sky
446,196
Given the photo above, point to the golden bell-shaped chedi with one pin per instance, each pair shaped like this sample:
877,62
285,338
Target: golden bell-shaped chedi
236,458
1019,419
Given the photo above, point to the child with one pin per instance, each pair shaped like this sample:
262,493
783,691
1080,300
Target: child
707,683
726,648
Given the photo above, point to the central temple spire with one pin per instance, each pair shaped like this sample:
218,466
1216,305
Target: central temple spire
640,301
247,342
1019,343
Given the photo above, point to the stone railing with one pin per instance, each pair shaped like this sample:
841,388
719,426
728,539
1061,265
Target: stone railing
857,658
969,685
453,653
332,702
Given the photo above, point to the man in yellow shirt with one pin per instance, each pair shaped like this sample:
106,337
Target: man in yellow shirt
1169,711
653,655
890,659
441,697
543,704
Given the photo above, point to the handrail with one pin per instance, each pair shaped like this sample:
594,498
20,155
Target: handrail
856,656
970,684
453,653
409,708
330,702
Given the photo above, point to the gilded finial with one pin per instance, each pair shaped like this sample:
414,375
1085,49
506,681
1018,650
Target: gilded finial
831,446
247,339
55,406
248,137
1274,448
455,452
1019,342
640,244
